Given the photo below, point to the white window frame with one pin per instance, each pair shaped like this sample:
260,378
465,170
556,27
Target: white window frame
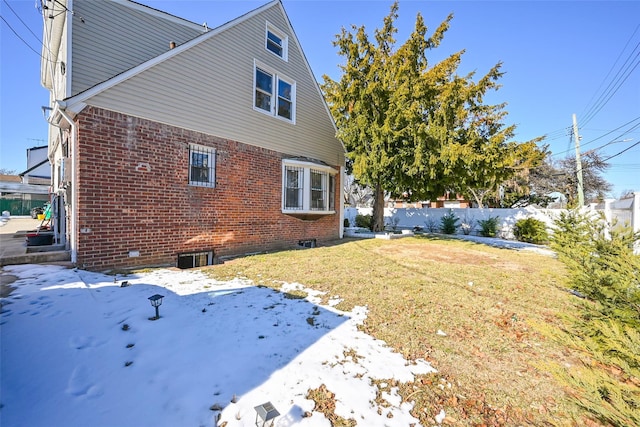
276,77
305,170
284,38
210,152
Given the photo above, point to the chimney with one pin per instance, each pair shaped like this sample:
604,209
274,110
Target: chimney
172,45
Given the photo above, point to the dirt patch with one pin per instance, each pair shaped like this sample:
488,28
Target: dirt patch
450,254
440,253
5,285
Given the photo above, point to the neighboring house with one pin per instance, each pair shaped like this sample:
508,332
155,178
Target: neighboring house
38,167
176,144
20,193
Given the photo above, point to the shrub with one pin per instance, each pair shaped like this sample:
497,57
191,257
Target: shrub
604,268
449,223
603,265
364,221
489,226
531,230
467,224
431,224
393,223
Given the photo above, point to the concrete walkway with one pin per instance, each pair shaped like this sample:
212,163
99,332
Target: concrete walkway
13,243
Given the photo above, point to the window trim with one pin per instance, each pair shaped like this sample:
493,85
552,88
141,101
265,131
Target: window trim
270,28
276,78
211,153
307,167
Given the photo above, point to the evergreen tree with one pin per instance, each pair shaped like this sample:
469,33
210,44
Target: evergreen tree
411,128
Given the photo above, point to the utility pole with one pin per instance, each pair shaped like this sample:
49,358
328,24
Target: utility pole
578,163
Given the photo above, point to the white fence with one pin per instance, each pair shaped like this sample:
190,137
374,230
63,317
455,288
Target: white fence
618,213
409,218
623,213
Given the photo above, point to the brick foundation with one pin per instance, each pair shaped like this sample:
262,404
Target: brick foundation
134,196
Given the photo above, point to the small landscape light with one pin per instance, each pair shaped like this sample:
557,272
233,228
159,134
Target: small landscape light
266,412
156,301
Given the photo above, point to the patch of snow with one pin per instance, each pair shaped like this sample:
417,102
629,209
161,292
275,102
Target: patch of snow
219,349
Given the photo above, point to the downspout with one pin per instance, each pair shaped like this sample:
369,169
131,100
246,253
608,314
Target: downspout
74,189
343,175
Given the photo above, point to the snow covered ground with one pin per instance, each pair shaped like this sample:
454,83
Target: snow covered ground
79,350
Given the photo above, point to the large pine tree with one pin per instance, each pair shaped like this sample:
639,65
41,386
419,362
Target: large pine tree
412,128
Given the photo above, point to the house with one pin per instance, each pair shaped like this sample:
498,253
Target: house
38,167
177,144
19,193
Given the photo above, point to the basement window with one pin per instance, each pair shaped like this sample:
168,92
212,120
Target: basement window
195,259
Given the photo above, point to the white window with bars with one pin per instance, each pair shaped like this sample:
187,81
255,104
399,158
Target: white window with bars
294,186
318,190
202,166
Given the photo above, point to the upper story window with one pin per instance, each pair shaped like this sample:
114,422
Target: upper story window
277,42
308,188
274,94
202,166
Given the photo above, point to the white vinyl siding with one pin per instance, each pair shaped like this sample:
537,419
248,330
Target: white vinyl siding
102,40
196,90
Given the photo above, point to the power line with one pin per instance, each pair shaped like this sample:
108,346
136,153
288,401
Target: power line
616,83
613,90
603,135
584,112
20,37
23,23
623,151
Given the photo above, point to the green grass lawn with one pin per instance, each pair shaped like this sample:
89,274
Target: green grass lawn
482,316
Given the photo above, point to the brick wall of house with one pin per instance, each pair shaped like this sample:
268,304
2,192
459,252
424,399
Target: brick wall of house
134,197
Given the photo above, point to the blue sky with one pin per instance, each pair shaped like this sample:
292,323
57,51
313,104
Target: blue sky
560,58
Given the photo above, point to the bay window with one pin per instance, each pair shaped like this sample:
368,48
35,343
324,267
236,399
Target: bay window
308,187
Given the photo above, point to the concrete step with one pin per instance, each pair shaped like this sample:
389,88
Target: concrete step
37,258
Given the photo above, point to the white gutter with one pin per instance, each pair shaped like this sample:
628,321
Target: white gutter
74,190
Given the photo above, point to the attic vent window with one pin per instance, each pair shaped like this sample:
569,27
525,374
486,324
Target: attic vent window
277,42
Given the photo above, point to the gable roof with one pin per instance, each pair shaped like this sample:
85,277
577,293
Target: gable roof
34,167
192,86
76,102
